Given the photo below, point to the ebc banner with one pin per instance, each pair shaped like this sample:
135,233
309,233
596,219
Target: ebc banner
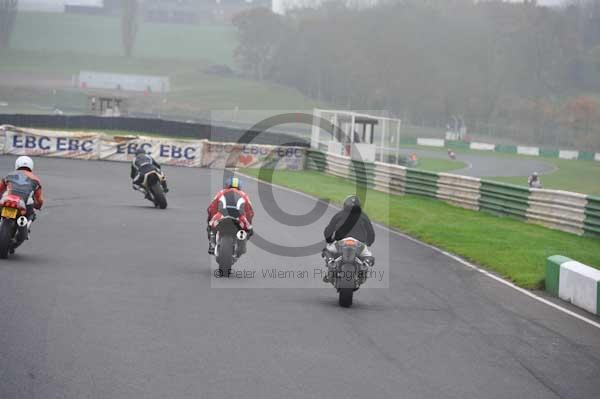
34,142
165,151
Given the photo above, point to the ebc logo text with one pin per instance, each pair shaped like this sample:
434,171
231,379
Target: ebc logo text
45,143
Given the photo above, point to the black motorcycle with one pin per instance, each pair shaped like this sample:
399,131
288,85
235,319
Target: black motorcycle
152,188
347,271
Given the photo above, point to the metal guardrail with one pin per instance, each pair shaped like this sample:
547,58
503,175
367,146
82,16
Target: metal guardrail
560,210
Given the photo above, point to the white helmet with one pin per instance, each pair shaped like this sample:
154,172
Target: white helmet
24,162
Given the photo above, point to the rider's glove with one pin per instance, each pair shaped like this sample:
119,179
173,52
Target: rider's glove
329,240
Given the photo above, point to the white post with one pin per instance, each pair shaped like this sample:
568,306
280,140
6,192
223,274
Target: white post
398,141
352,127
316,130
383,130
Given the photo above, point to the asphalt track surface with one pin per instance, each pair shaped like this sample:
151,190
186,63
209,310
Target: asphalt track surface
112,299
489,165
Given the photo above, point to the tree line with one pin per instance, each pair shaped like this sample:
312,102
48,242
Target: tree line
513,70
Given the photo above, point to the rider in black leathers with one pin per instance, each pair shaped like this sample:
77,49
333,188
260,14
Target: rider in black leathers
351,221
141,165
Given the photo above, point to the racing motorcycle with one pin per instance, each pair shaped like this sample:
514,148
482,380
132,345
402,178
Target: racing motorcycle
14,225
152,188
347,271
231,241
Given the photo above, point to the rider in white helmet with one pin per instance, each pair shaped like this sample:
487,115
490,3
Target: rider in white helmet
25,184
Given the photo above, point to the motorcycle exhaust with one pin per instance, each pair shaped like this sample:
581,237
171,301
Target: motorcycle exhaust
241,235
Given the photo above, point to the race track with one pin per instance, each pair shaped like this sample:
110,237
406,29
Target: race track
490,165
112,299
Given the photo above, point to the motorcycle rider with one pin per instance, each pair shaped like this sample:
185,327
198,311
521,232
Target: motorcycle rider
230,197
534,181
25,184
350,222
142,164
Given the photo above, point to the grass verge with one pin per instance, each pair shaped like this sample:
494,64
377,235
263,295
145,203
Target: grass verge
513,249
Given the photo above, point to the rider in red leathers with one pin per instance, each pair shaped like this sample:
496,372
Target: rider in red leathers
230,201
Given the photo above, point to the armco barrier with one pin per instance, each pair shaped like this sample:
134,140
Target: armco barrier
591,224
548,153
390,178
363,173
421,183
462,191
504,199
560,210
573,282
586,156
509,149
567,154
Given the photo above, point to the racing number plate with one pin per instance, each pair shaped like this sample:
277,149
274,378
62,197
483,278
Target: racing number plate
10,213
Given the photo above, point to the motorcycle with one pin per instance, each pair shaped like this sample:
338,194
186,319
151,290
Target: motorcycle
152,188
452,154
231,241
347,271
14,225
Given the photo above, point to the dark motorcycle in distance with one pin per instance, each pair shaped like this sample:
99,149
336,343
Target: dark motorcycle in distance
231,242
452,154
346,270
152,188
14,224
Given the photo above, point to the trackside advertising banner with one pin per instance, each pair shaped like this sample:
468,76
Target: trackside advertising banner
165,151
51,144
189,153
222,155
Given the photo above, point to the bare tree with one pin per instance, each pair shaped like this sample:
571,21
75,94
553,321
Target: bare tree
8,14
129,25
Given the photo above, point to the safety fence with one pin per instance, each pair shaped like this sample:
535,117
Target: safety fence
165,128
561,210
175,152
506,149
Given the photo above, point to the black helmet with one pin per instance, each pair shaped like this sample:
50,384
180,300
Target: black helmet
351,202
140,151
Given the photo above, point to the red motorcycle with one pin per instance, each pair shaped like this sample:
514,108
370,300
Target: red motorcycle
14,225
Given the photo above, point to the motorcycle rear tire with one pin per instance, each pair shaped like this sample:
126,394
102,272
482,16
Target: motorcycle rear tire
160,199
225,255
6,230
346,295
